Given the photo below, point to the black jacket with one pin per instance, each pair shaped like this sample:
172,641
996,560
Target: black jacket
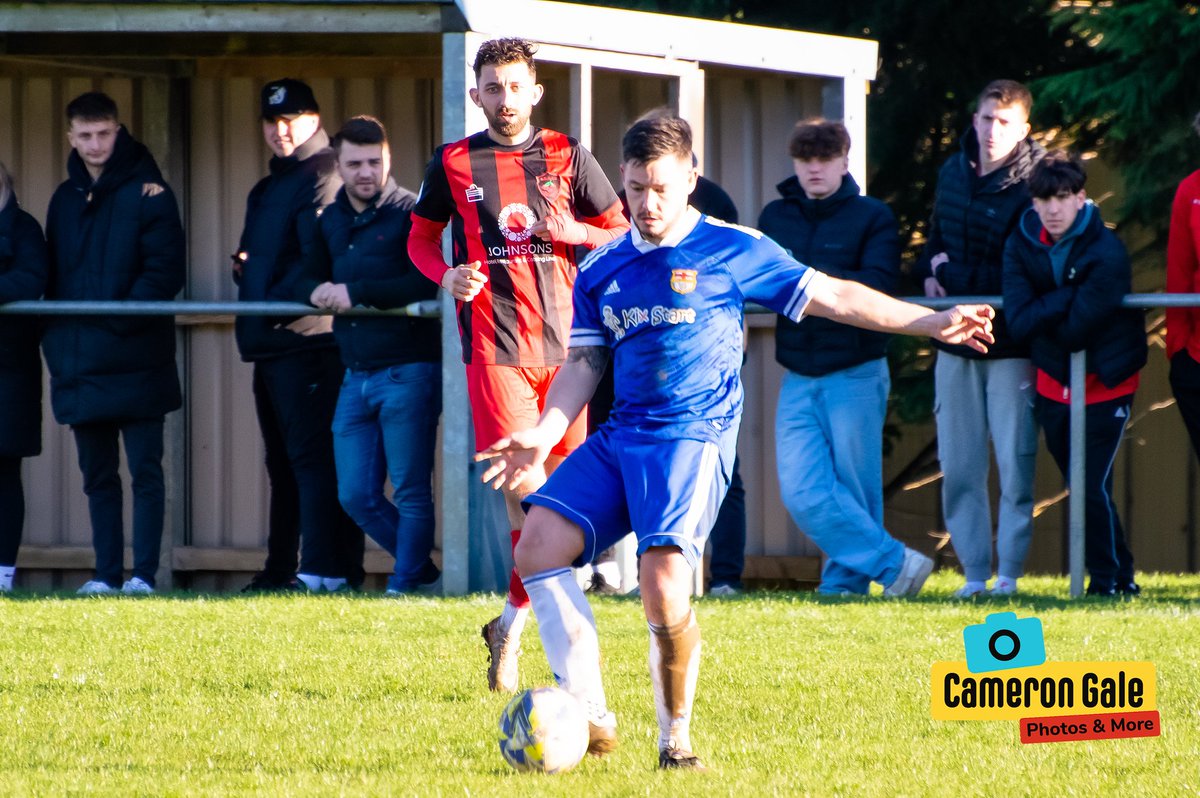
1084,312
847,236
972,218
117,238
368,252
281,221
23,268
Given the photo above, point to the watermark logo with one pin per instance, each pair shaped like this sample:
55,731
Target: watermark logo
1006,677
1003,641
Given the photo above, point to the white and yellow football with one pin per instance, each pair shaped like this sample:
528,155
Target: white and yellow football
543,730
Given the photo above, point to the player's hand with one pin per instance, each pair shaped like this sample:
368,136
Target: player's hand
514,457
560,227
465,281
965,324
933,288
331,295
309,325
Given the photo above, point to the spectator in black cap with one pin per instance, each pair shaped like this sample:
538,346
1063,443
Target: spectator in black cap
297,371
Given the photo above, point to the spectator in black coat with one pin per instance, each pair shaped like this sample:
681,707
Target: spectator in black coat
1065,275
113,233
981,193
385,426
297,371
833,400
23,269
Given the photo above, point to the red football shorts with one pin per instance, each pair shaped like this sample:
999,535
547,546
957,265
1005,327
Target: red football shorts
505,399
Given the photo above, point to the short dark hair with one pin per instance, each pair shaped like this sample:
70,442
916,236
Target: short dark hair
498,52
818,138
1007,93
360,130
1055,174
652,137
92,106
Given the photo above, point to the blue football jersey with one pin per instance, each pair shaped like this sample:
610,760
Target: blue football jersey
672,314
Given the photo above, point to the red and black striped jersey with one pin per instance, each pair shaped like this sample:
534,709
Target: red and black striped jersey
492,194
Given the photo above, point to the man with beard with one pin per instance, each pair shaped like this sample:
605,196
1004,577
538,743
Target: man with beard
520,199
387,412
660,465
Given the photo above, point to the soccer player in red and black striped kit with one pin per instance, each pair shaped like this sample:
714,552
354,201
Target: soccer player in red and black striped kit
520,199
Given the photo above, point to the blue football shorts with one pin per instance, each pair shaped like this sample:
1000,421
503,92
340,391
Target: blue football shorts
667,492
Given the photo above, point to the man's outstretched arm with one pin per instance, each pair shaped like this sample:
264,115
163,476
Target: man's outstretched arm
514,456
853,303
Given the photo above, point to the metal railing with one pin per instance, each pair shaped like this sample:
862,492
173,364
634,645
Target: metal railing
432,309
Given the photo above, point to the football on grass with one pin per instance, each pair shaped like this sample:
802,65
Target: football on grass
543,730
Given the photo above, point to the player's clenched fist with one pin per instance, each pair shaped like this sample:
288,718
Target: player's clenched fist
464,282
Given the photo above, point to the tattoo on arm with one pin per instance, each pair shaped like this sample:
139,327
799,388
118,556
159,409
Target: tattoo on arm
594,357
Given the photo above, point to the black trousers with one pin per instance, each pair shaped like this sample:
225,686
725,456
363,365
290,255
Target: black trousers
295,396
1106,554
1185,384
99,461
727,541
12,509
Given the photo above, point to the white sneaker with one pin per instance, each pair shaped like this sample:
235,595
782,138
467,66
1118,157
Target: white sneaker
1004,586
915,569
94,587
311,582
971,590
334,584
137,587
724,590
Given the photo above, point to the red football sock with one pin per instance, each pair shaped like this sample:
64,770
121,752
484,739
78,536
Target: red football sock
516,589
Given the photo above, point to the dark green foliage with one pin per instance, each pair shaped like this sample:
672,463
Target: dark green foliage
1134,99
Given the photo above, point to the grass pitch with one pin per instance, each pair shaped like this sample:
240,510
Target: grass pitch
211,695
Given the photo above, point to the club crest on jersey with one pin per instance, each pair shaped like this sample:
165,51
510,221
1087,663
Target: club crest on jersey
683,281
515,220
549,185
474,193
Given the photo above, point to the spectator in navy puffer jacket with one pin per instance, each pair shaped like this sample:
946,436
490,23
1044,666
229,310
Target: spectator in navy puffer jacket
1065,275
113,233
829,423
22,276
386,420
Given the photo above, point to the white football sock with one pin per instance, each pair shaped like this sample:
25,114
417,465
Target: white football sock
568,631
674,668
512,621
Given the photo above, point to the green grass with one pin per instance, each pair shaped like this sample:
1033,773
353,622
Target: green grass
212,695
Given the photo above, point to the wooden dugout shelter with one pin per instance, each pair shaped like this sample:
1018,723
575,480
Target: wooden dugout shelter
186,76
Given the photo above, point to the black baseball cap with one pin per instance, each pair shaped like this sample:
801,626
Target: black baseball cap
288,96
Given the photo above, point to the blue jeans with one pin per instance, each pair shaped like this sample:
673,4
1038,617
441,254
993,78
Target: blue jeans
829,455
386,426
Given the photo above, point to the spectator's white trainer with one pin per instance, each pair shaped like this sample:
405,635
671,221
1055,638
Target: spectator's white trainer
913,572
971,590
94,587
1004,586
137,587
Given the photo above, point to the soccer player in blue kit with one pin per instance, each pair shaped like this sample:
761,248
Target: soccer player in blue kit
666,302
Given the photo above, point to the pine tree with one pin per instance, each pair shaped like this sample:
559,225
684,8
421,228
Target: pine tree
1134,100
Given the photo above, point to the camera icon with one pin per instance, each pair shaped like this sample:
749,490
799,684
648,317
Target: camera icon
1002,642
